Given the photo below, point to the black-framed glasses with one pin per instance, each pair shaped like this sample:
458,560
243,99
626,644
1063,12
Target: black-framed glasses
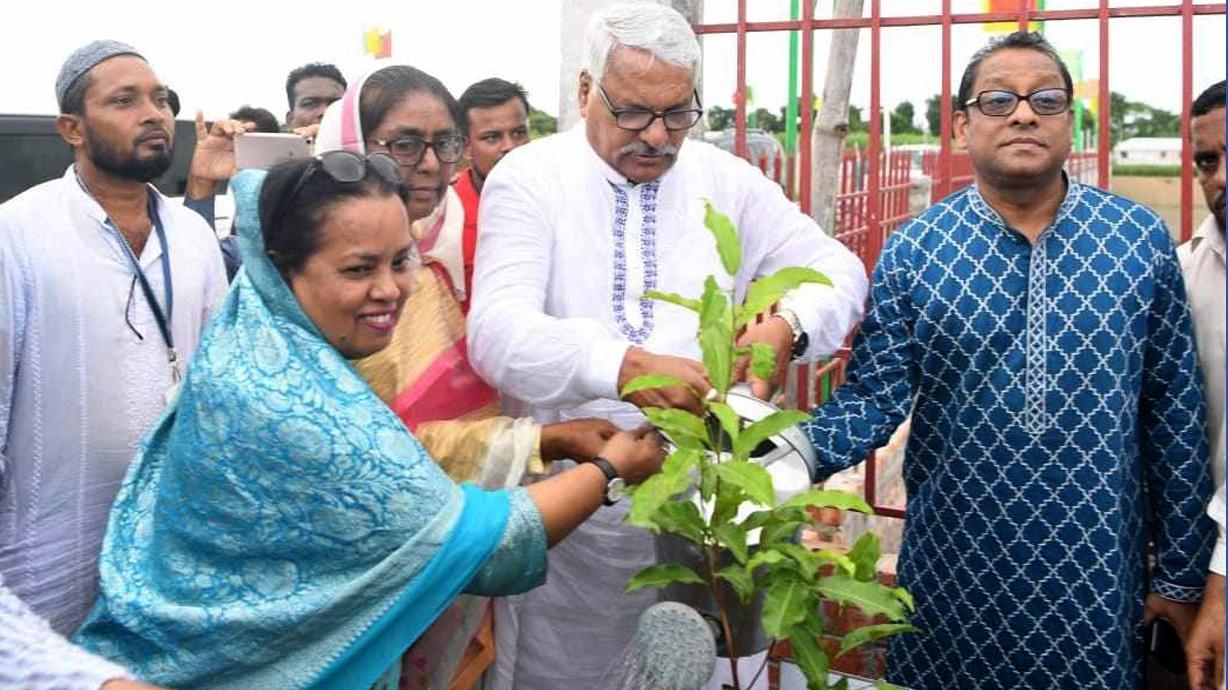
1000,103
640,119
409,149
346,167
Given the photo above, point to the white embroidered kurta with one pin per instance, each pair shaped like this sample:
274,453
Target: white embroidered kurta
567,248
1202,265
78,389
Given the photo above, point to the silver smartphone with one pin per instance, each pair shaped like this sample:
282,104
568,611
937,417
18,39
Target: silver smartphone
260,150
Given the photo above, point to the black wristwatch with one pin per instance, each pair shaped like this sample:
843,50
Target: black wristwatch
614,484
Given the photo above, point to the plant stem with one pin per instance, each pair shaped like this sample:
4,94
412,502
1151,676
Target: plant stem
720,607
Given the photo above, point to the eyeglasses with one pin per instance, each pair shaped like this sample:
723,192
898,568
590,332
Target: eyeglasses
345,167
998,103
409,149
640,119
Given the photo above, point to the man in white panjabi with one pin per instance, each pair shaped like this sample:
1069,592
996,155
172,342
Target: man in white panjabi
1205,272
106,287
574,229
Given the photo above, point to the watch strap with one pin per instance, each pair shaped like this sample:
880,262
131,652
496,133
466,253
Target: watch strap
611,473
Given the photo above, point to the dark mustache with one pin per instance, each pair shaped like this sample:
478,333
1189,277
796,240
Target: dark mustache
639,148
153,129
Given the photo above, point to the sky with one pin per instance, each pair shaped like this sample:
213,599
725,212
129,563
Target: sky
222,56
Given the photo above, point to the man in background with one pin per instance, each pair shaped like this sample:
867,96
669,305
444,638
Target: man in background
310,89
1202,263
495,120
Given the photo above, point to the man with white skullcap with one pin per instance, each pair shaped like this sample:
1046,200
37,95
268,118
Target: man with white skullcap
107,287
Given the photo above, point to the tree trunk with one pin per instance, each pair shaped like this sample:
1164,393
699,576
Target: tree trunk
832,125
693,10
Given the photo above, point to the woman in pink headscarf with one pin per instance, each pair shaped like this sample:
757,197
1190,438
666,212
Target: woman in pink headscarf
424,375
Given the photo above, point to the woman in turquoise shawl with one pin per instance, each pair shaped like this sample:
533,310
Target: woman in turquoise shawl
281,528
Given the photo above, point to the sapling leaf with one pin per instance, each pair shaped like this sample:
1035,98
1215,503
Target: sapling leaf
840,560
813,623
829,498
808,562
730,422
648,381
763,557
661,575
810,658
679,425
727,503
762,361
869,633
742,583
681,518
716,336
757,519
905,596
864,555
733,537
727,244
681,460
672,298
653,493
870,597
751,478
785,604
774,531
766,291
761,430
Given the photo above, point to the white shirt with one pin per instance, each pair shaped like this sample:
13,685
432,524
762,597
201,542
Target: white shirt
543,326
1202,264
78,389
35,657
549,327
1216,511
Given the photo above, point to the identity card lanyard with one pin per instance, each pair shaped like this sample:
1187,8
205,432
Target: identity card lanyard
163,319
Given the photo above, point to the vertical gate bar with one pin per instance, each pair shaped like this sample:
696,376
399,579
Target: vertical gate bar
805,150
945,114
1103,171
739,101
1187,97
874,240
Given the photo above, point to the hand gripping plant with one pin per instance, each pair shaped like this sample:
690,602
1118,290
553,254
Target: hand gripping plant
714,495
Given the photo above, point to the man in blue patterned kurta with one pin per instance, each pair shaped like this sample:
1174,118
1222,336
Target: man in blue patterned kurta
1038,332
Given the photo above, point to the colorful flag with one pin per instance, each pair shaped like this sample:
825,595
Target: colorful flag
377,43
1012,6
1088,91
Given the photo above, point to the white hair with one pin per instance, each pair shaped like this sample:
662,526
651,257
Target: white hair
647,26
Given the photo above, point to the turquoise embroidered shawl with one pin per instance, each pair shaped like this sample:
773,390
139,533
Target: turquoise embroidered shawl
280,527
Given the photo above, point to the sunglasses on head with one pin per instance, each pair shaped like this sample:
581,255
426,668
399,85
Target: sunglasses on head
345,167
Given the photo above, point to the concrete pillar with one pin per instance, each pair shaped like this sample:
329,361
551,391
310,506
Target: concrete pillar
575,21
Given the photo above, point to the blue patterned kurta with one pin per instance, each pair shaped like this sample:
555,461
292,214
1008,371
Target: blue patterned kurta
1058,425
